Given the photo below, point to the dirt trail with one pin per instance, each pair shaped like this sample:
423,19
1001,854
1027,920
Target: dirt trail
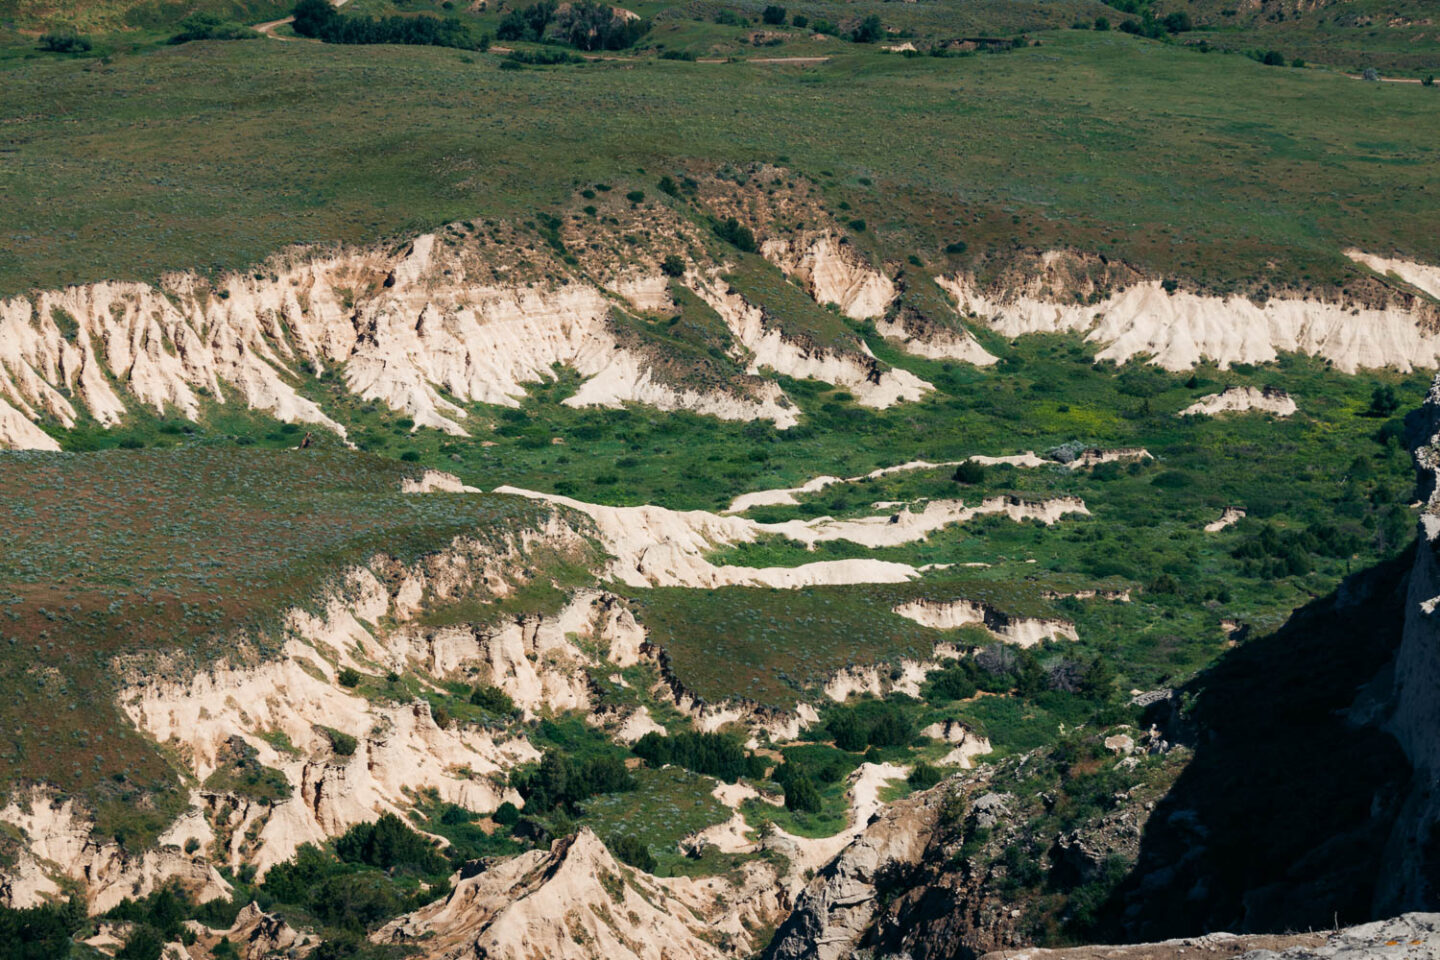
269,28
1357,76
800,60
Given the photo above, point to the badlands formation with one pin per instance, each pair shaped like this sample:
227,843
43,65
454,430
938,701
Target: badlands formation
922,828
441,322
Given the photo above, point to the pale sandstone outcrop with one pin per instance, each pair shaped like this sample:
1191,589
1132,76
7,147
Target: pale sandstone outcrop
402,325
256,935
58,843
1179,329
833,271
769,346
1228,517
399,748
954,614
1095,457
637,725
1422,276
834,909
1240,400
576,901
435,481
905,676
662,547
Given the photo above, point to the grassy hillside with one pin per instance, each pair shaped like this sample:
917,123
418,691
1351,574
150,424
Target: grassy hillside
131,15
1394,36
213,155
162,555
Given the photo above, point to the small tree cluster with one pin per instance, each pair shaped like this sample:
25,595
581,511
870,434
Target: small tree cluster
64,41
713,754
560,781
320,20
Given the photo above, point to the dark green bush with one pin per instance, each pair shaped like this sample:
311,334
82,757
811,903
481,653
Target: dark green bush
208,26
493,699
632,850
735,233
869,30
923,776
802,795
969,472
64,41
713,754
389,844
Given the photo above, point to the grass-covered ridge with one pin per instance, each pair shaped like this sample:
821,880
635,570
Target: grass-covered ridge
1205,166
168,554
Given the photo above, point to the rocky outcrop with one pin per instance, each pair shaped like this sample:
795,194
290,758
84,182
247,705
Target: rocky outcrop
1413,936
408,329
834,912
289,709
954,614
1242,399
344,758
770,346
1414,700
256,935
656,546
59,846
1132,317
576,901
1228,518
832,271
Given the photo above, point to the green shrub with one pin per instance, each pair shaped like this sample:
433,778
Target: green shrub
1383,401
507,814
349,677
773,15
208,26
64,41
969,472
802,795
713,754
143,943
923,776
673,266
342,743
735,233
389,844
493,699
869,30
632,850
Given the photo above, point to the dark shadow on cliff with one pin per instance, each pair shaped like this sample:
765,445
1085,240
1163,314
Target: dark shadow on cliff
1280,820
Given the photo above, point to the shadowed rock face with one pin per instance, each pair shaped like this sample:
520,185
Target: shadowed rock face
1279,822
